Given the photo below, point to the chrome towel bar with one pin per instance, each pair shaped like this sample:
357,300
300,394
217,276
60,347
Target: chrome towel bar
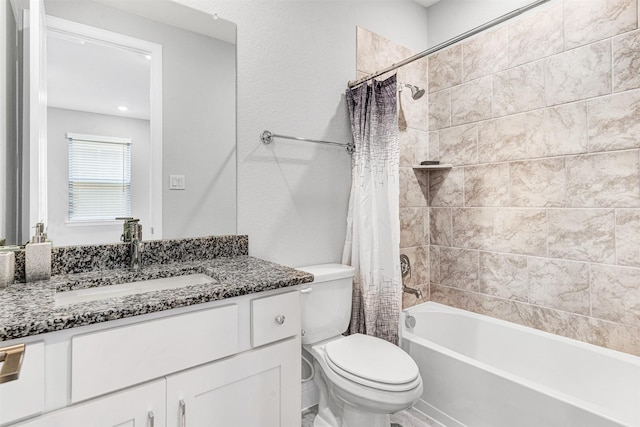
267,138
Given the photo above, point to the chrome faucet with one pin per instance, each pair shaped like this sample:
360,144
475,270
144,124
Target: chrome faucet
132,234
405,268
135,253
416,292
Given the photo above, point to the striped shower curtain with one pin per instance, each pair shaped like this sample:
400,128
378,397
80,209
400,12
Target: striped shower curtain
373,223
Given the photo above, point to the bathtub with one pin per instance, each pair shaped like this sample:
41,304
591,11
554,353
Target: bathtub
480,371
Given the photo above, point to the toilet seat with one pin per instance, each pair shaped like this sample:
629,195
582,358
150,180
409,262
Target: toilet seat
372,362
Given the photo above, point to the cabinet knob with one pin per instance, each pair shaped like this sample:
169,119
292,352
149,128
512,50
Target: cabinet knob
280,319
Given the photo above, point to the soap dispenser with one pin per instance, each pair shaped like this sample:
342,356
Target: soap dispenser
38,256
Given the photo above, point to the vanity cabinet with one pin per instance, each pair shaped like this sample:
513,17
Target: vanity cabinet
25,396
234,362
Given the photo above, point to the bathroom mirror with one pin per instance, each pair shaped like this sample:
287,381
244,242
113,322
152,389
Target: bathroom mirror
154,76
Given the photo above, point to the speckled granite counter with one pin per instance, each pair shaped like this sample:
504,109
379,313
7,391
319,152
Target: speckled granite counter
29,308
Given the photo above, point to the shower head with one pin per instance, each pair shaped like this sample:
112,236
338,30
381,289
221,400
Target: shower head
416,92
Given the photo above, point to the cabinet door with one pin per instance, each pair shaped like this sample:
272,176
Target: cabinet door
24,396
258,388
139,406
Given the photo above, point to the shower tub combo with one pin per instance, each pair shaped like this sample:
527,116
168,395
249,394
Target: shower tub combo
480,371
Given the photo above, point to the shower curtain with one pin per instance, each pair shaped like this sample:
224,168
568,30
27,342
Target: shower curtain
373,224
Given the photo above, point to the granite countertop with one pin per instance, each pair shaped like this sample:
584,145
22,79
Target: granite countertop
29,308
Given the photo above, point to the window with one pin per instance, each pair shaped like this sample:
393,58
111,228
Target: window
99,177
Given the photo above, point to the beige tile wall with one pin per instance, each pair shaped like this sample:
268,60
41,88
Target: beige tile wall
542,226
538,222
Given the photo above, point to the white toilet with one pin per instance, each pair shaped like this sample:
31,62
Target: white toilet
362,379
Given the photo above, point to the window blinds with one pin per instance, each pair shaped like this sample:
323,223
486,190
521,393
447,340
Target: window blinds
99,177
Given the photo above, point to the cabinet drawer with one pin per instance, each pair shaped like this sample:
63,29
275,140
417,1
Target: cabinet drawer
24,396
274,318
120,357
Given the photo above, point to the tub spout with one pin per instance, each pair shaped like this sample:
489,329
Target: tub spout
416,292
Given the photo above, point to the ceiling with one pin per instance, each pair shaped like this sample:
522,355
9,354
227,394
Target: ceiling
88,76
181,16
426,3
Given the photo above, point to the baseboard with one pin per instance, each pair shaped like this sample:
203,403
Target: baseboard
310,395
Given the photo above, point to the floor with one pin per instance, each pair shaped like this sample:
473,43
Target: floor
407,418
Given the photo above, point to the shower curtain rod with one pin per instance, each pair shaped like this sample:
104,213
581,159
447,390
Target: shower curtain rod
474,31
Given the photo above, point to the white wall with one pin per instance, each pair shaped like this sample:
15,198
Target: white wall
200,144
294,61
449,18
61,121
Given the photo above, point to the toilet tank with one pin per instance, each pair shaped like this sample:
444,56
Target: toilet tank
326,302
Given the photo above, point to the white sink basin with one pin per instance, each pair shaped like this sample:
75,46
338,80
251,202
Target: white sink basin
131,288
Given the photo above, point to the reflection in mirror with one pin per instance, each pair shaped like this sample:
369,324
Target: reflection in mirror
104,93
154,73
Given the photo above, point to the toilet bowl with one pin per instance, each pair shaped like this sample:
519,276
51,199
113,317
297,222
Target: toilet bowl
361,379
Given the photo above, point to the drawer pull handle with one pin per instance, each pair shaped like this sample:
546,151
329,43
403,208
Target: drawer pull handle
151,419
280,319
12,357
306,290
183,413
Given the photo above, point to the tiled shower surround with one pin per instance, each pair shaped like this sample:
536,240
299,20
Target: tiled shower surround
538,222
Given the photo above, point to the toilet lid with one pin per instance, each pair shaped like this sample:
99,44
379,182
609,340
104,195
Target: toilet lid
373,360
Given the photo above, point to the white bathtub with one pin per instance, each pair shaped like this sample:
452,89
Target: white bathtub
480,371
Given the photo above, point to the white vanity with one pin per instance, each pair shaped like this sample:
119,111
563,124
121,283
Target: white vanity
220,346
233,362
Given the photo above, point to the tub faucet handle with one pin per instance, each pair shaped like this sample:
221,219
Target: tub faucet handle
405,266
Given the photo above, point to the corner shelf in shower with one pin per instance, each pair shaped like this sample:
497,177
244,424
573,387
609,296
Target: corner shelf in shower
443,166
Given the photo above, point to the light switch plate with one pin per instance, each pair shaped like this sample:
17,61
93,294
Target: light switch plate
176,182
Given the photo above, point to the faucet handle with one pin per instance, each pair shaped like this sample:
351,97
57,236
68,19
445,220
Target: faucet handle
405,266
126,227
135,228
